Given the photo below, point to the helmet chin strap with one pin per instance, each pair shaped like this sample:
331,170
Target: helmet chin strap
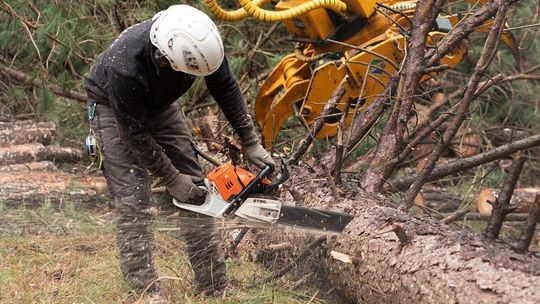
161,60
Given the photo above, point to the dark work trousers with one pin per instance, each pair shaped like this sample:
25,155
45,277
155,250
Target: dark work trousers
128,182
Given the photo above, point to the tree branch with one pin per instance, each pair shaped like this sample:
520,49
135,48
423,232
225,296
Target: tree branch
388,148
466,163
501,206
490,49
530,227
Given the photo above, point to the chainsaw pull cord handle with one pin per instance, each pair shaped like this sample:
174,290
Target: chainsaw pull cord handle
235,203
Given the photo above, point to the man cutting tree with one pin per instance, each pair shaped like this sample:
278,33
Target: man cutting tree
132,89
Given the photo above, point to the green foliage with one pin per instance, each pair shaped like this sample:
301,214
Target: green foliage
61,40
513,103
56,43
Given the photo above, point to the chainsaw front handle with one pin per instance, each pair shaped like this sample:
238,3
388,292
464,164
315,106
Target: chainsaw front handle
281,178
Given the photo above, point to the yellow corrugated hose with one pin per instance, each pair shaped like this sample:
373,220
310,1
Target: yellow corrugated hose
235,15
252,9
400,7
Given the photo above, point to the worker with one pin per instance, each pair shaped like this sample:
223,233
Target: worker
132,88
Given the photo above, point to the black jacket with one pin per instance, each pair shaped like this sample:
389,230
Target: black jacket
126,78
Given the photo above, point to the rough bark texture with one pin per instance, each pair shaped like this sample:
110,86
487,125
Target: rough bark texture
530,227
490,48
33,166
439,264
23,124
28,172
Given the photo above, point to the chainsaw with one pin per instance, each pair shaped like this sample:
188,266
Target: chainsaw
234,193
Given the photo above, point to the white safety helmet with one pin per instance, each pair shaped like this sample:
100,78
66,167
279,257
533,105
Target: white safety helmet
189,39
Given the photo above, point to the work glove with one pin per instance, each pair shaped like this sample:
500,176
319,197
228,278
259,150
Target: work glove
260,157
184,189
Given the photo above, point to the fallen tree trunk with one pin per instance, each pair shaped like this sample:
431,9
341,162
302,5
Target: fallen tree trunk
437,264
20,154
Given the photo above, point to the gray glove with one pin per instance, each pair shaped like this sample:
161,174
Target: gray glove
259,156
183,188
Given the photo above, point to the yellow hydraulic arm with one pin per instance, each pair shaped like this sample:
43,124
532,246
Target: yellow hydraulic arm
359,38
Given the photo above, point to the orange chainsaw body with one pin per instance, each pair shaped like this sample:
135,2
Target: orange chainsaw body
230,180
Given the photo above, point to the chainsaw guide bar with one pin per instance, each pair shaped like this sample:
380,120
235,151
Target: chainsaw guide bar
236,194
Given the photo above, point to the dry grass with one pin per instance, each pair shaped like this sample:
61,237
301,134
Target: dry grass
69,256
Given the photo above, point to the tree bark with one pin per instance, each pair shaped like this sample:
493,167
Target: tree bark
438,264
438,199
388,147
22,124
490,48
528,231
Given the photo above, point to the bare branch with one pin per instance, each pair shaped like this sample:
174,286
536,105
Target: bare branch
388,148
467,163
530,227
490,49
501,206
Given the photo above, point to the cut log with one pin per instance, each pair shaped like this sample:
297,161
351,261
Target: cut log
33,188
499,136
522,198
23,124
32,166
43,136
59,154
467,143
438,199
37,152
439,264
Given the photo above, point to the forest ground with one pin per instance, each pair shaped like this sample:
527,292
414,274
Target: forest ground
67,254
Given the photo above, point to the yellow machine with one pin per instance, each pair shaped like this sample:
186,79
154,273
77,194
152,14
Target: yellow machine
363,39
